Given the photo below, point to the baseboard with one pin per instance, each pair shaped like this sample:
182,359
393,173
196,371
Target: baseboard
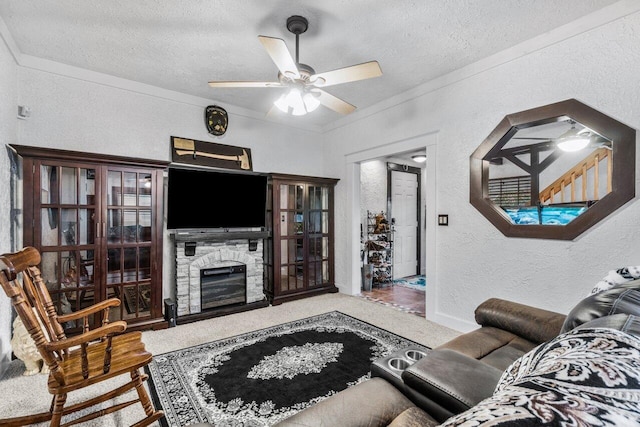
221,311
452,322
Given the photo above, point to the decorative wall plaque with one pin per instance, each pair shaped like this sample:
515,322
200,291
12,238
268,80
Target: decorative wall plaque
216,119
204,153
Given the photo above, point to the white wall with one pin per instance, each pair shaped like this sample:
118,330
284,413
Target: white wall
474,260
75,114
373,190
8,113
78,110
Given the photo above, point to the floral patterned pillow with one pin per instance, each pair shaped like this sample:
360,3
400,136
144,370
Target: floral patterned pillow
616,277
586,377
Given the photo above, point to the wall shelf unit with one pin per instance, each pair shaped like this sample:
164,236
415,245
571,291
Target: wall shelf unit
379,248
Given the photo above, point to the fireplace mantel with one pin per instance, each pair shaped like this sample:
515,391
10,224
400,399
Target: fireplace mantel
217,236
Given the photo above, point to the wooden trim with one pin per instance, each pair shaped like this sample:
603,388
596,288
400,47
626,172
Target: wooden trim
329,289
157,244
222,311
302,179
623,167
56,154
195,236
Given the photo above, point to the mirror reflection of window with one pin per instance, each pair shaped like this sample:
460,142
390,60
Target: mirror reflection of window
551,173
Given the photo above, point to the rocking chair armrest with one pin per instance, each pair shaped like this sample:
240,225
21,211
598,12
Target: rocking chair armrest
111,302
92,335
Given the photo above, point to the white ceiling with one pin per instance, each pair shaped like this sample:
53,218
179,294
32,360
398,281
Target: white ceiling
181,45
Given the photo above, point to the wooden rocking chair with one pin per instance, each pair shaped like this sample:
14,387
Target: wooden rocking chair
79,361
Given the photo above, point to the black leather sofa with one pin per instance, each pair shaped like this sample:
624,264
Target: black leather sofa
516,367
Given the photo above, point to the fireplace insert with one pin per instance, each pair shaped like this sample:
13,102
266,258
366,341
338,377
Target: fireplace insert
223,286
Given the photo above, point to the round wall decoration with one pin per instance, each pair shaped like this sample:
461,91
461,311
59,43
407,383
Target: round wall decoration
216,120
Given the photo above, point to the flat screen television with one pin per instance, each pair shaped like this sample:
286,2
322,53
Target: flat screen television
198,199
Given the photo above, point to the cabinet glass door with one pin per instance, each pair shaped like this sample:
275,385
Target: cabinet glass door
127,232
318,235
66,213
292,243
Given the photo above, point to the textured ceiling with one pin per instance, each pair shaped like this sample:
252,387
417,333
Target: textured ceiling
181,45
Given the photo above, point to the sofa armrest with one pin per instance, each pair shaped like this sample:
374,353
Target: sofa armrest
450,380
534,324
372,403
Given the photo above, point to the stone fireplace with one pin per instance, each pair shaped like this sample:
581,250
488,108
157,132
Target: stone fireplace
199,256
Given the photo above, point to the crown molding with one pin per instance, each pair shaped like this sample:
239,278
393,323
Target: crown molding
69,71
581,25
9,41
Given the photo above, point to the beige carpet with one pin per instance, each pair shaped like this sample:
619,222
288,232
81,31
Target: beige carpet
24,395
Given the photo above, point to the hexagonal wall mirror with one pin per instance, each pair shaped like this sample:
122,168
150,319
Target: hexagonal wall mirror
553,172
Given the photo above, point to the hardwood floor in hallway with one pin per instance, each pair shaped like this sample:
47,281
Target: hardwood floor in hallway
401,297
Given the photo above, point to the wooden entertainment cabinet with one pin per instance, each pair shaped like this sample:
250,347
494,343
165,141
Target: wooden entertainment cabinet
300,255
97,221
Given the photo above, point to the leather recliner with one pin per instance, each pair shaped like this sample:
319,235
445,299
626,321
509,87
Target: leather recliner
465,371
456,375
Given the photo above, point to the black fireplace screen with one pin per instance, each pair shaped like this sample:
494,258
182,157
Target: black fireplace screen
223,286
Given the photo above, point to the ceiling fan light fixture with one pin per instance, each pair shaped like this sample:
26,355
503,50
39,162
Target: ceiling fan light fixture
575,143
297,104
311,101
282,104
298,111
291,103
420,158
573,139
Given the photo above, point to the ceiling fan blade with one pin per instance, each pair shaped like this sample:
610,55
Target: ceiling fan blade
273,111
244,84
277,50
335,103
353,73
537,139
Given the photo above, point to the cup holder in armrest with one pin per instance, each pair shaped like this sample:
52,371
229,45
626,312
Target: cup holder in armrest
415,355
399,364
392,366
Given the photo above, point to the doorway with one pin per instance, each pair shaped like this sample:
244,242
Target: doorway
352,279
390,187
404,207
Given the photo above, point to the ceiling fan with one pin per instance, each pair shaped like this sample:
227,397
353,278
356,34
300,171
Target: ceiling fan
574,139
305,93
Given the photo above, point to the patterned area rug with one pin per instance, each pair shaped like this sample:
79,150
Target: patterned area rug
260,378
413,282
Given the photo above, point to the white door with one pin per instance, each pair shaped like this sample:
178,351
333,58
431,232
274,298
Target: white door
404,208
